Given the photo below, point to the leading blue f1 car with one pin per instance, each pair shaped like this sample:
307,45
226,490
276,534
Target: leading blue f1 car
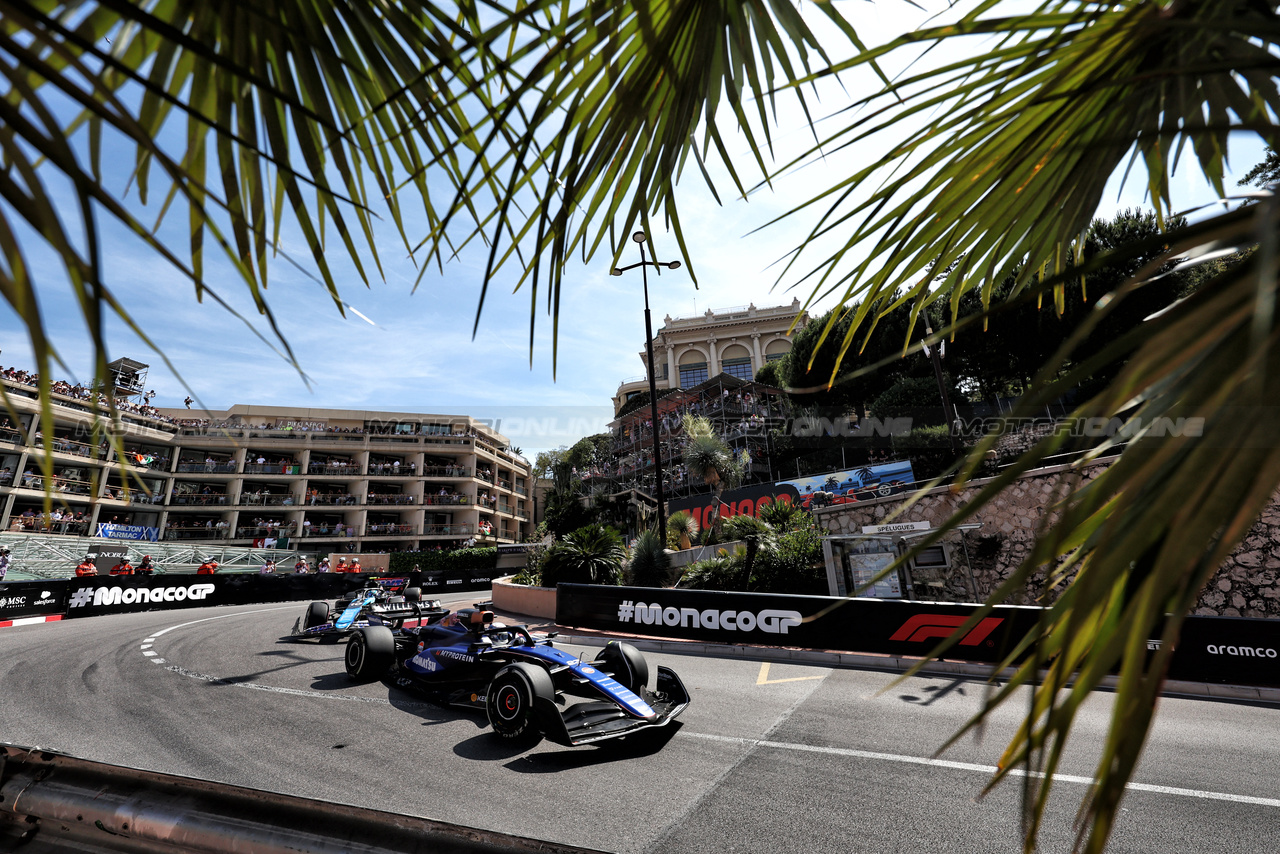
523,684
383,602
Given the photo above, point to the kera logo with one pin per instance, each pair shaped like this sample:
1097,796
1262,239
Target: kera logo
923,627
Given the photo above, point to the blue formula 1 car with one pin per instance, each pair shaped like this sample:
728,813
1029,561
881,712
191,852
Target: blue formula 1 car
523,684
383,602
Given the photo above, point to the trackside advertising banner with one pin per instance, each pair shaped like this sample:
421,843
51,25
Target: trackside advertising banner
90,597
435,583
32,599
817,622
1227,650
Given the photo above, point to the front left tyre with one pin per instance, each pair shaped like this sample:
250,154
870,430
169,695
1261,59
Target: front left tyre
510,699
370,653
317,615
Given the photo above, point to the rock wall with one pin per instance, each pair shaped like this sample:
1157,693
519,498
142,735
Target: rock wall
1247,585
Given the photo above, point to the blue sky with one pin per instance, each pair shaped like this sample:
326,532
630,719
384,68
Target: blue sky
419,355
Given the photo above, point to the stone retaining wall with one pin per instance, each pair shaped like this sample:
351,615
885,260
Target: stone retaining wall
1247,585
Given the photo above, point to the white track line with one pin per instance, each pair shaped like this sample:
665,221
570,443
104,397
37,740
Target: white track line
984,769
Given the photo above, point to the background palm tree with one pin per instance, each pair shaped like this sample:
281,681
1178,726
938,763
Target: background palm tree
707,456
682,528
553,123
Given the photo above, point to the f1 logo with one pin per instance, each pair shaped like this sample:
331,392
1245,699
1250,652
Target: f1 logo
923,627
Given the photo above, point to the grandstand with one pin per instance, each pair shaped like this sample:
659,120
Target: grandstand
38,557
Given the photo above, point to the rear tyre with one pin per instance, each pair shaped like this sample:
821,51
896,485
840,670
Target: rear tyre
626,664
370,653
317,615
413,594
509,702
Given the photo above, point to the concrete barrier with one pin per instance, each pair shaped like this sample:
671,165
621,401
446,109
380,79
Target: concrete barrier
522,599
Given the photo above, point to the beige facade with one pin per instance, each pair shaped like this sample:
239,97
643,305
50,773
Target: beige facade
738,341
343,480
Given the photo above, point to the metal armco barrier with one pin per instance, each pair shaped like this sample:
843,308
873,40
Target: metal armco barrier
121,594
1225,650
54,802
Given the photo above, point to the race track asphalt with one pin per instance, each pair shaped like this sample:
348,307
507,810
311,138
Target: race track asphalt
769,757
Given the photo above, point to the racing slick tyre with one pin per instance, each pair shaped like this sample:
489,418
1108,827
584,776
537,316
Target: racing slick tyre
625,664
370,653
413,594
317,614
509,702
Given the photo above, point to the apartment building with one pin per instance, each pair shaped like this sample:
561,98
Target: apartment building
344,480
738,341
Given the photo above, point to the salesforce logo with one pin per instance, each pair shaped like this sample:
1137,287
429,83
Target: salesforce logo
1244,651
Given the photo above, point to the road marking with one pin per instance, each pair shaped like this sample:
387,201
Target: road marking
984,769
294,692
763,678
220,617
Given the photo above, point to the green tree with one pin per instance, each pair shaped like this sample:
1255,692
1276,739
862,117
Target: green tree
555,127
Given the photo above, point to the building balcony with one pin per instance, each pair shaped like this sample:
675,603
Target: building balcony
341,469
446,471
331,500
445,499
390,498
388,529
193,532
212,499
447,530
265,499
272,468
13,437
207,468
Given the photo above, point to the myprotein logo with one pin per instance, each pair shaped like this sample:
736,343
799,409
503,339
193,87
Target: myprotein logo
106,596
653,614
1242,651
924,627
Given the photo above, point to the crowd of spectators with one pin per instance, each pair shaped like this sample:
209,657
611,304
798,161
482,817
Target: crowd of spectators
59,521
80,392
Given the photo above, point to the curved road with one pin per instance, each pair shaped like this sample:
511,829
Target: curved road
768,758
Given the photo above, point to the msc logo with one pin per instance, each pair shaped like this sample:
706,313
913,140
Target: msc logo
923,627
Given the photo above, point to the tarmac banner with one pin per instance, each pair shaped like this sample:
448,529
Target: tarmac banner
32,599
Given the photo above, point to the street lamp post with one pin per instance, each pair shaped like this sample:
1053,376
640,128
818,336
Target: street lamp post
936,355
639,238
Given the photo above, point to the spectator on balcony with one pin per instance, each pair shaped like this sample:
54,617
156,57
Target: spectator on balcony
145,567
209,463
86,568
6,476
123,567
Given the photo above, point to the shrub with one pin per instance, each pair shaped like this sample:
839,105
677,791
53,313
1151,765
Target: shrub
592,554
649,562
